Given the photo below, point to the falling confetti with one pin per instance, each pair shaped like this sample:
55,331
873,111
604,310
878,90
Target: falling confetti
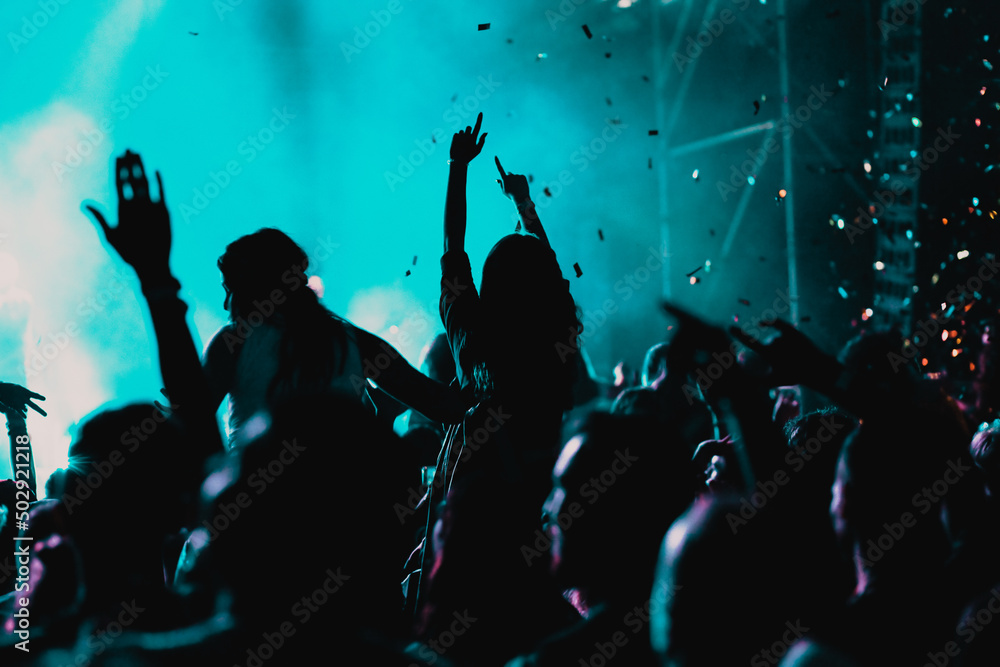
756,107
548,193
586,31
693,272
694,175
484,26
650,163
987,64
414,260
608,100
653,133
842,292
576,267
541,55
607,55
407,272
600,234
805,319
745,302
192,33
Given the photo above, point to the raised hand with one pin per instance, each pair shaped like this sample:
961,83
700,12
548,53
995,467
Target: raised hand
515,186
142,236
16,399
467,144
793,358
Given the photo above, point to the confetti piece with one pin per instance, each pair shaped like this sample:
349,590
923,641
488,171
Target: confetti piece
510,41
756,107
414,260
616,121
454,97
693,272
694,280
407,272
608,99
987,64
484,26
608,55
650,163
711,232
842,292
548,193
600,234
531,178
645,78
805,319
694,175
541,55
192,33
653,133
576,267
433,139
586,31
745,302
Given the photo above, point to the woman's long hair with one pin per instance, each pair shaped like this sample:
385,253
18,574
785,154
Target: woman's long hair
530,325
265,268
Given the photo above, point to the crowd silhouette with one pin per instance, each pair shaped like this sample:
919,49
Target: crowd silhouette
531,516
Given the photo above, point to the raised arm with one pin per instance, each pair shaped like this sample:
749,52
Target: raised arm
465,146
14,403
142,238
515,186
408,385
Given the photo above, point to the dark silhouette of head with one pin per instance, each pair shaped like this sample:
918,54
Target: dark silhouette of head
985,449
264,276
531,325
617,486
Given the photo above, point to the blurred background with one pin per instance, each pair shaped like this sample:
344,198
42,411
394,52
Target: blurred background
718,153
